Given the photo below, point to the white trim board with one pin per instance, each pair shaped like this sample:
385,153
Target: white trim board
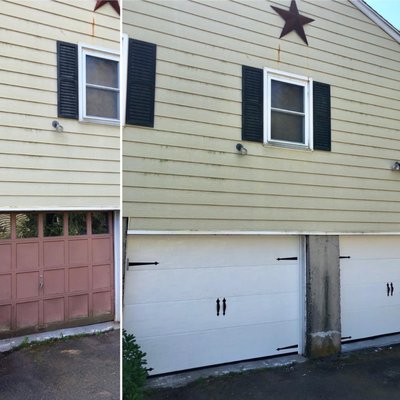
377,18
117,266
255,233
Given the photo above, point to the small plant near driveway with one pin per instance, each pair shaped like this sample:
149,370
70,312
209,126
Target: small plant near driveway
134,368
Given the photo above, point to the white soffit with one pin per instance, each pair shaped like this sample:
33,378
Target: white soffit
377,18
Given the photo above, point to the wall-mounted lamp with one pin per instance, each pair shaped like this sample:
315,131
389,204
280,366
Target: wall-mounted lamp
57,126
241,149
396,166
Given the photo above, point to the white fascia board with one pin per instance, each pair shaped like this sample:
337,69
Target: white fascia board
377,18
257,233
61,208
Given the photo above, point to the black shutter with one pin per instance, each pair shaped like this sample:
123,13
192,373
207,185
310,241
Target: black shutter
252,104
141,83
67,80
322,116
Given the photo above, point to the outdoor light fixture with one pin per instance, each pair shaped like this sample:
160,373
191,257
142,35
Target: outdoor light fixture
396,166
57,126
241,149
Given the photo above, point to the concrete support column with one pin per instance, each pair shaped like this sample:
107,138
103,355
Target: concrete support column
323,330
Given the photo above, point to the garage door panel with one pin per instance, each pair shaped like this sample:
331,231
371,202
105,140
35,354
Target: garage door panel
5,318
27,314
53,310
27,285
5,287
243,311
171,307
101,276
54,282
216,347
53,254
102,303
366,308
195,283
78,279
198,251
78,306
28,255
5,257
370,247
101,251
78,252
369,297
386,320
363,272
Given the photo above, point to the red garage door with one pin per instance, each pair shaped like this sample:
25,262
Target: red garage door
56,269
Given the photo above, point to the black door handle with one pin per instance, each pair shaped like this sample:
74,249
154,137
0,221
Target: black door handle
387,289
391,288
218,307
223,306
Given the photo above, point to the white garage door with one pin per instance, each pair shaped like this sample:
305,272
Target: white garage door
370,285
171,307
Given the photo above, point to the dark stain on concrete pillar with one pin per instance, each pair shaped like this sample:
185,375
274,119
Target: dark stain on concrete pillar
323,331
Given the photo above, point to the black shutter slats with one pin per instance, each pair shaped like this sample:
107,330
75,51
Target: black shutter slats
141,83
67,80
252,104
322,116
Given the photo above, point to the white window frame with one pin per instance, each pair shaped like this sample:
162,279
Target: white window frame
272,74
124,76
99,52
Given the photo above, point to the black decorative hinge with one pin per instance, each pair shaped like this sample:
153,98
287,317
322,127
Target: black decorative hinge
134,264
286,258
344,257
294,346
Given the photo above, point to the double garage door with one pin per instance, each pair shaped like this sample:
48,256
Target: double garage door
218,299
370,286
212,299
56,269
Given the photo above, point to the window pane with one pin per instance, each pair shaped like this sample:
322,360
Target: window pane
5,226
99,222
102,103
287,96
27,225
53,224
77,224
102,72
287,127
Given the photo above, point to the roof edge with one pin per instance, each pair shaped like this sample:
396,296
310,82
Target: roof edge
377,18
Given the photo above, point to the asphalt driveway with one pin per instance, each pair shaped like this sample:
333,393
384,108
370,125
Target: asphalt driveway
372,374
70,369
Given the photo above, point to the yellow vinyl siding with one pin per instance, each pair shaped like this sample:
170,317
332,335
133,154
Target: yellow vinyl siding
39,167
185,173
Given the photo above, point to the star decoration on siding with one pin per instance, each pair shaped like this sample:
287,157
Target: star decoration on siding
293,21
113,3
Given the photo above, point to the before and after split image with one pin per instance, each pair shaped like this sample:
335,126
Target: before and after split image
199,199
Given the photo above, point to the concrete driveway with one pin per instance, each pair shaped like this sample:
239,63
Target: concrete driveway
72,369
372,374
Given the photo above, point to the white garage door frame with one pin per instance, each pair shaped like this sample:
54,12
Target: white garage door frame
301,265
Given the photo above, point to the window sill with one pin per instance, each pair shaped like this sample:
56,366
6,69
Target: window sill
290,146
99,121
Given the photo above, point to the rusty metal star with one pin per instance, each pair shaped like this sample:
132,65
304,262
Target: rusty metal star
293,20
113,3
